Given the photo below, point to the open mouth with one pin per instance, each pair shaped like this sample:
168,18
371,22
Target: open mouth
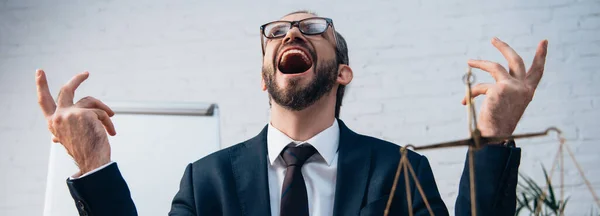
294,61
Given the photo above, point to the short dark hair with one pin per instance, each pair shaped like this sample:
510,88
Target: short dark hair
341,55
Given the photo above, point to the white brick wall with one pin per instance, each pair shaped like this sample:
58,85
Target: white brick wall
408,58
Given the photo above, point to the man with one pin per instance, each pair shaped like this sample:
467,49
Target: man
305,161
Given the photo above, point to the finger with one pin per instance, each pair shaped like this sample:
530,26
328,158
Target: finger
537,68
516,67
55,140
91,102
67,92
477,90
105,119
495,69
44,97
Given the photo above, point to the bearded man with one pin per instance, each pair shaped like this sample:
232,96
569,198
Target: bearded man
305,161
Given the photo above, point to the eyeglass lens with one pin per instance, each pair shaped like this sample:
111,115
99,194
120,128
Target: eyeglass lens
307,26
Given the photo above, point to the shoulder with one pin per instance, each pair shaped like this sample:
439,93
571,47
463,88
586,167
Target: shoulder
219,159
383,150
212,169
222,162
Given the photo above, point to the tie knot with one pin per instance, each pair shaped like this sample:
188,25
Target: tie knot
296,156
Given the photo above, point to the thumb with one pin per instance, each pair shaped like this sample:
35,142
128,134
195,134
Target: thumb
477,90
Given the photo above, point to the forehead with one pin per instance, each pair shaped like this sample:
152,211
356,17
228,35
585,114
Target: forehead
297,16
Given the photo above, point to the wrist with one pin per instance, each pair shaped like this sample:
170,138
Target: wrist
495,132
79,175
92,165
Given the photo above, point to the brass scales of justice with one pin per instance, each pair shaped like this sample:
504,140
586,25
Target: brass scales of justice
475,142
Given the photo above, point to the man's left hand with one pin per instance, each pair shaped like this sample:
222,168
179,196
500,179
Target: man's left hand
507,99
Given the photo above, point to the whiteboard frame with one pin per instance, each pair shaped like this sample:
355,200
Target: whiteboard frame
150,108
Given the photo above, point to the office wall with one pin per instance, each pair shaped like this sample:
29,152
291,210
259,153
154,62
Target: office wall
408,58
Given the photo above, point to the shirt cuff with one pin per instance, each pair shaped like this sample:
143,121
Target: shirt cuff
90,172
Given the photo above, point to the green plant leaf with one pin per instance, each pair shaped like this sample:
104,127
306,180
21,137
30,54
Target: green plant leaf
551,201
532,186
524,201
563,205
519,208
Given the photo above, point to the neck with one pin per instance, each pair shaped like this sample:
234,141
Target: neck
304,124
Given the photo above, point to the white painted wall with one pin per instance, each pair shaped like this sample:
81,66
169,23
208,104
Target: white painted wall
408,57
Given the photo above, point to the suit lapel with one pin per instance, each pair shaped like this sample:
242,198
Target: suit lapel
249,164
354,163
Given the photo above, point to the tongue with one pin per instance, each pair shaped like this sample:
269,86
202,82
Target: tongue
293,63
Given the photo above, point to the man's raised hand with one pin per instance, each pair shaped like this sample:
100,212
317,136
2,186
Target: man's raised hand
507,99
81,127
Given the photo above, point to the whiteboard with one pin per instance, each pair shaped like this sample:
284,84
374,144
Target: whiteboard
153,145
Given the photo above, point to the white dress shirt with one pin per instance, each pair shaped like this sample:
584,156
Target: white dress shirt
319,171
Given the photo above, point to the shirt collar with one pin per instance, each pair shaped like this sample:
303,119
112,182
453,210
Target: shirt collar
325,142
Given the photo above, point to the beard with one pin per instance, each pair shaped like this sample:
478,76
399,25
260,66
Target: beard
297,97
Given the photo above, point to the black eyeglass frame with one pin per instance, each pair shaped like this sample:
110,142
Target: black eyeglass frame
295,23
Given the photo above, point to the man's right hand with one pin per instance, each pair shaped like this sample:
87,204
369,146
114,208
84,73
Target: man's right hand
81,127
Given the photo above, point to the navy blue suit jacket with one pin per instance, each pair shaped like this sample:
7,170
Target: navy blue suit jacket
233,181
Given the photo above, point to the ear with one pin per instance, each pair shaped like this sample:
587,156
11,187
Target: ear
263,85
344,74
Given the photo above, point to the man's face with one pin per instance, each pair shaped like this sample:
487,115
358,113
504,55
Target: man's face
299,69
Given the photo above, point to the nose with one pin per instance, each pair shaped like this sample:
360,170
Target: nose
293,35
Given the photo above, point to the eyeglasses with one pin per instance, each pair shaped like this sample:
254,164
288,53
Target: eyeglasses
308,26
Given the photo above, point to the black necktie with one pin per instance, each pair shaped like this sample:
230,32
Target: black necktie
294,200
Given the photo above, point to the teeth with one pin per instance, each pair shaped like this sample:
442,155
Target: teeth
295,51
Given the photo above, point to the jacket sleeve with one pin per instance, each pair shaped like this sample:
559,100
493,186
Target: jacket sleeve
104,192
496,174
